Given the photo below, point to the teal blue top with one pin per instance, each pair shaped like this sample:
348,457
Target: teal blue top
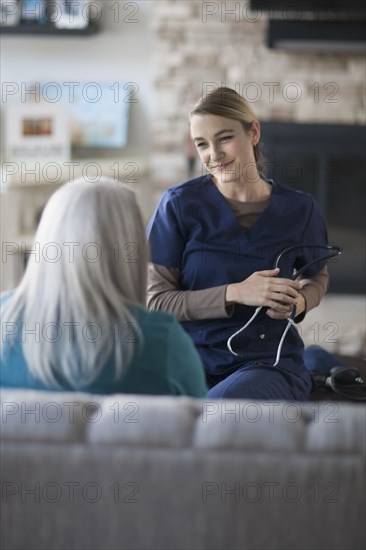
167,363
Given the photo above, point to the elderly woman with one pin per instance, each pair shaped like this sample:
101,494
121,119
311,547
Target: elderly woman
77,320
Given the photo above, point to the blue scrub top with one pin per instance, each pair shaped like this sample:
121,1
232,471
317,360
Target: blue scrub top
195,230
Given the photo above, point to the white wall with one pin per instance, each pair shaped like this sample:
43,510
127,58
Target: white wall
120,52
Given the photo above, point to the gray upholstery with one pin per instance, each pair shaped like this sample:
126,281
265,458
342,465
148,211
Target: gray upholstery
129,472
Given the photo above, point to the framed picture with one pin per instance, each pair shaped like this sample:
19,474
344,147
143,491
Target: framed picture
36,132
98,112
33,11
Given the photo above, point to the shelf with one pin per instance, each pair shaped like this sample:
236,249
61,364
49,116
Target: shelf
49,29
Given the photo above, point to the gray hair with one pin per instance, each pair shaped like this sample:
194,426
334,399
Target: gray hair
88,264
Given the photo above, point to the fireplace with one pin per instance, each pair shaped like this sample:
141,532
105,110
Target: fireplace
327,161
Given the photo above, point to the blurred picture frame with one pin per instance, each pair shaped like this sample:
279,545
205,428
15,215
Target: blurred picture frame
33,11
98,112
37,132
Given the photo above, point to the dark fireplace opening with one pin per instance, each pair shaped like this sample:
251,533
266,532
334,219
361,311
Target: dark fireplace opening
327,161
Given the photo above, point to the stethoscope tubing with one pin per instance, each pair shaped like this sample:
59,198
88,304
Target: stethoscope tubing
333,250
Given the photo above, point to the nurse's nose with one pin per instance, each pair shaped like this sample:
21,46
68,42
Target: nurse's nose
216,153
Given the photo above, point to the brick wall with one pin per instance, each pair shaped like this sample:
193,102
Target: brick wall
199,45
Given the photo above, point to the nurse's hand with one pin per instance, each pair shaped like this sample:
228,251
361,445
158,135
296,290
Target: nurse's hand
300,308
263,288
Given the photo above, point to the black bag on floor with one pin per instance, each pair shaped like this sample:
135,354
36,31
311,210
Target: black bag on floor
345,381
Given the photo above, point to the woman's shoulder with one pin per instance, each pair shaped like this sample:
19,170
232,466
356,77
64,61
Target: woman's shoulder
291,193
156,321
195,185
161,333
299,203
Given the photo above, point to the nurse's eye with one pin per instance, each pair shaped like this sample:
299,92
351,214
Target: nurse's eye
200,144
225,138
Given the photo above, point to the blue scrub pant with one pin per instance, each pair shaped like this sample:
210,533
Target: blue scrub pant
255,381
319,360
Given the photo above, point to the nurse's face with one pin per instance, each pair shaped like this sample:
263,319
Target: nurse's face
225,148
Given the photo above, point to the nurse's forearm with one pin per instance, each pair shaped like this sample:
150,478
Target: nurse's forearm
163,293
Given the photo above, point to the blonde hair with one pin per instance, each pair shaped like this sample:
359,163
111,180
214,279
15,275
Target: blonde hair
227,103
91,264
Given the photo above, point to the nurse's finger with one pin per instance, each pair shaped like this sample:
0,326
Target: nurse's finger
273,314
287,282
283,308
268,272
279,301
285,289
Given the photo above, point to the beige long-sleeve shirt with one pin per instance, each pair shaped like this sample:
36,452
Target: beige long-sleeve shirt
190,305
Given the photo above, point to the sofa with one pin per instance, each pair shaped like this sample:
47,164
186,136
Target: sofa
132,472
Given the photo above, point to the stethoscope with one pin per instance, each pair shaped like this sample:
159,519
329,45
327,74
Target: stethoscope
333,251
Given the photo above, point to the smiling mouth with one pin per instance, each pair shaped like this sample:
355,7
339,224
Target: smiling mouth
222,166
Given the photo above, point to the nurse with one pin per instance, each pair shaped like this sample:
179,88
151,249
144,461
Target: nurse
214,240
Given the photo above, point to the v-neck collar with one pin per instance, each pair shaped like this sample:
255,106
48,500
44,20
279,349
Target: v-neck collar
254,231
